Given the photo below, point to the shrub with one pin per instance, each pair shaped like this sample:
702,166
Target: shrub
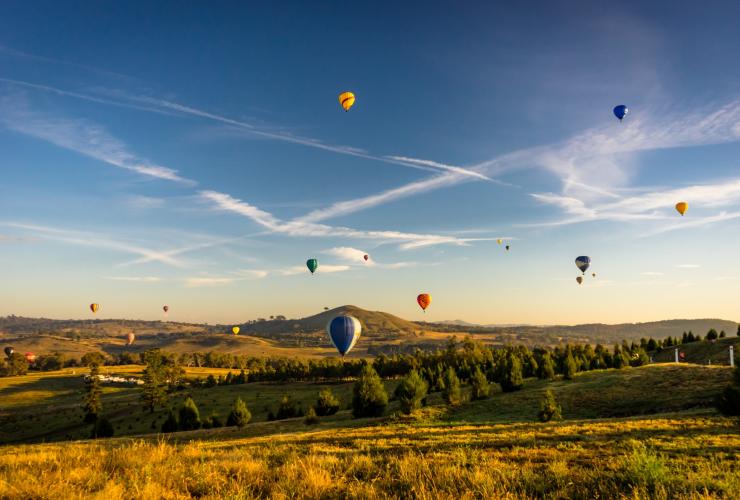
311,417
452,393
479,383
102,428
287,408
369,398
239,415
549,408
512,379
189,416
546,369
171,424
327,404
569,367
411,391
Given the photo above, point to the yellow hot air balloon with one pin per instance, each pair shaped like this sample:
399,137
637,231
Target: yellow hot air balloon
94,307
499,241
235,330
347,100
681,207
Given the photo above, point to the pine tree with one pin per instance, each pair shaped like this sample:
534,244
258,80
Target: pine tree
452,394
170,424
411,392
287,408
311,417
369,398
93,391
512,379
327,404
102,428
722,334
569,367
547,367
712,334
480,386
240,415
153,390
189,416
549,408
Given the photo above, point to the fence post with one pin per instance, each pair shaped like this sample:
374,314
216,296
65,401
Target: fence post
675,353
732,355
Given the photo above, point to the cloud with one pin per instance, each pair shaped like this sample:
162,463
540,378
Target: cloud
348,253
323,269
254,273
208,281
441,166
144,202
138,279
80,136
651,273
688,266
298,228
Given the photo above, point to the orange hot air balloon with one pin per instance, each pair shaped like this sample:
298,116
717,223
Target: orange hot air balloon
347,100
130,338
94,307
30,357
681,207
424,299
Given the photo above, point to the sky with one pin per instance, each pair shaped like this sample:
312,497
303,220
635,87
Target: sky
184,154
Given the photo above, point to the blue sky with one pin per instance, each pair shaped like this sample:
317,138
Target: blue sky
196,156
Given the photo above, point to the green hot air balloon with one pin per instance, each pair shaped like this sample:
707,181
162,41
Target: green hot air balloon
312,265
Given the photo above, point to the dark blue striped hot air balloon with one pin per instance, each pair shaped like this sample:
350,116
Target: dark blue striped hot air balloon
583,263
621,111
344,331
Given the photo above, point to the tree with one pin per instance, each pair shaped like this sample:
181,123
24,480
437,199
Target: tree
652,345
690,337
512,379
239,415
712,334
569,367
17,365
93,391
170,424
287,408
411,392
549,408
327,404
452,393
189,416
738,330
479,384
93,358
153,390
102,428
722,334
311,417
729,401
547,367
369,398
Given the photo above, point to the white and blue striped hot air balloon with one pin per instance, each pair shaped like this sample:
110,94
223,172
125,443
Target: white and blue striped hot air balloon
583,262
344,331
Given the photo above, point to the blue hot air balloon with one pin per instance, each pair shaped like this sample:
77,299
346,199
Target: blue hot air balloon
344,331
621,111
583,262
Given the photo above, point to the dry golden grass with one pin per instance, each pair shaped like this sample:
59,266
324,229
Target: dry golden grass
669,457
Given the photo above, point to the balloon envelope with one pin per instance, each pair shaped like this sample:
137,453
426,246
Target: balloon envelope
499,241
424,299
344,331
583,262
621,111
681,207
507,247
366,256
166,308
312,265
579,279
94,307
9,351
235,330
130,338
30,357
347,100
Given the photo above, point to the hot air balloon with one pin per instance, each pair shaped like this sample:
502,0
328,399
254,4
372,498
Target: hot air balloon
312,265
344,331
9,351
579,280
424,299
583,262
326,308
508,247
166,309
94,307
130,338
235,330
681,207
347,100
30,357
621,111
366,257
499,241
593,275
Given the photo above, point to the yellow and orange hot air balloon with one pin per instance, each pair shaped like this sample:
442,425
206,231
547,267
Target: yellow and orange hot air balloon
94,307
681,207
424,299
235,330
347,100
130,337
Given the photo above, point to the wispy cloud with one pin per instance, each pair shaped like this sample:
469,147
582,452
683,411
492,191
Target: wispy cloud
349,254
80,136
137,279
144,202
208,281
652,273
306,229
688,266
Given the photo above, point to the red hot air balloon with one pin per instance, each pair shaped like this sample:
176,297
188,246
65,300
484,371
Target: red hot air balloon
424,299
30,357
366,257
